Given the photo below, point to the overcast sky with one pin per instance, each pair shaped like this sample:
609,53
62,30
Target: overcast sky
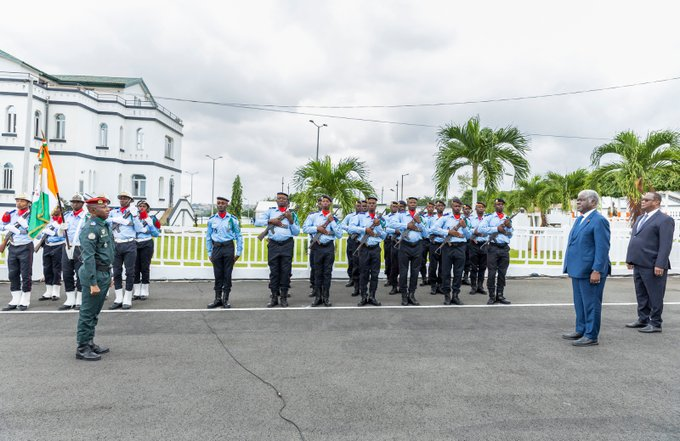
310,53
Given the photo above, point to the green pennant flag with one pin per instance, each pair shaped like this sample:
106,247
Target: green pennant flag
40,209
40,214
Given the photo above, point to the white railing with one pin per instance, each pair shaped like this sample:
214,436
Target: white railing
180,254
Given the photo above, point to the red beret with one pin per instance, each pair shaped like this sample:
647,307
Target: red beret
100,200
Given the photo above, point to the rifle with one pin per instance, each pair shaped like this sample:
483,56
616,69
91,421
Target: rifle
271,227
9,235
449,238
43,240
127,214
317,236
364,239
405,232
493,236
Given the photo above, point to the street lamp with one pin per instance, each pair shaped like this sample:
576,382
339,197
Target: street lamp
191,185
318,132
212,194
402,185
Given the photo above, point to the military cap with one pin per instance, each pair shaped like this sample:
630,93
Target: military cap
456,200
412,197
402,202
98,200
143,201
222,198
371,198
77,198
501,200
483,204
280,192
325,196
439,201
23,196
125,194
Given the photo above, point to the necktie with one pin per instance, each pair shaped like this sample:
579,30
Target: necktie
577,225
642,221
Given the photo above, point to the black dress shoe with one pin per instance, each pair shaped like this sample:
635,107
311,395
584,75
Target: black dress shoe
126,306
284,302
355,293
9,307
394,291
649,329
226,305
350,284
572,336
412,300
214,304
636,324
465,281
86,353
363,301
23,307
64,308
42,298
98,349
481,291
491,301
503,300
76,307
584,341
115,305
439,290
456,301
373,301
473,291
136,297
387,284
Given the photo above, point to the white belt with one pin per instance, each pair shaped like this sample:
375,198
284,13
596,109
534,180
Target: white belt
144,240
54,244
125,241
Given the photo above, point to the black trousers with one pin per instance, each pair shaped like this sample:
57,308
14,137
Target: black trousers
222,258
126,254
280,260
498,260
324,257
20,267
435,269
369,262
650,291
410,255
143,261
52,264
312,275
468,263
352,260
425,246
394,269
453,258
69,270
477,263
387,255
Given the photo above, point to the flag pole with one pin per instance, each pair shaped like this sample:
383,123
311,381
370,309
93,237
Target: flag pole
61,208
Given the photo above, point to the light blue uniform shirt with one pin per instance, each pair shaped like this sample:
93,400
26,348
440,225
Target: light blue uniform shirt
445,223
279,234
348,220
151,230
128,229
55,235
18,239
363,221
489,226
431,221
74,222
317,219
474,222
400,221
389,230
223,230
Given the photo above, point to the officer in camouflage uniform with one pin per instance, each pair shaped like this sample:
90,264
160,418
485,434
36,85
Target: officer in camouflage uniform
97,252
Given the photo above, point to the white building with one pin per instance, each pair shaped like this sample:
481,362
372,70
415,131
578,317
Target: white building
105,134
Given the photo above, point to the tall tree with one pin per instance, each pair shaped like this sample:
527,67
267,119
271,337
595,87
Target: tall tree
637,162
344,182
236,203
530,194
563,189
488,152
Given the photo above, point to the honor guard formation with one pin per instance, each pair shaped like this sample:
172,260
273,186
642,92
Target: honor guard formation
90,249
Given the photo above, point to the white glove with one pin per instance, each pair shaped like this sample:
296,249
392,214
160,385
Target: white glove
63,226
134,211
12,229
48,231
23,222
120,220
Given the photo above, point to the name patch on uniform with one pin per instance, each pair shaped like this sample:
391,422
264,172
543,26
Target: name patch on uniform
91,236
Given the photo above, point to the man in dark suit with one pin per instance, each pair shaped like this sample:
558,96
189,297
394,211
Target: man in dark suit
648,250
586,260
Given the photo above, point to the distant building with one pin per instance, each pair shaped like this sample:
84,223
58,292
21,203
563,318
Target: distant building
106,135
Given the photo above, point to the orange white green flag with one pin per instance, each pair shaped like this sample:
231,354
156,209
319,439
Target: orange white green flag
47,183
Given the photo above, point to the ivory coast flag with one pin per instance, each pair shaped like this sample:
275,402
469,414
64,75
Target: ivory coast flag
47,181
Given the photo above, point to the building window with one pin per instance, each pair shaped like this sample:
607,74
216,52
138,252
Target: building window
103,135
7,176
11,120
61,125
36,124
120,182
93,181
140,139
161,188
121,139
139,186
169,148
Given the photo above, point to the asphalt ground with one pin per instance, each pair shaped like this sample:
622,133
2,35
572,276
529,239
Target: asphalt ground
177,371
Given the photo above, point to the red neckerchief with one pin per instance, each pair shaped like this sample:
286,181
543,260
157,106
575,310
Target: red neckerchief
77,213
22,212
325,213
501,215
122,209
412,213
457,216
480,217
222,214
372,215
439,215
282,209
57,218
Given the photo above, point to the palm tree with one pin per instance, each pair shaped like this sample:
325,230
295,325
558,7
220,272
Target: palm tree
563,189
488,152
530,194
344,182
638,162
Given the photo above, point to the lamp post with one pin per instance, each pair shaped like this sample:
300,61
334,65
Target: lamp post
318,132
212,194
402,185
191,185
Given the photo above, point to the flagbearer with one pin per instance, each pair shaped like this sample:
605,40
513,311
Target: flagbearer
145,249
125,226
97,251
53,246
223,230
70,257
20,253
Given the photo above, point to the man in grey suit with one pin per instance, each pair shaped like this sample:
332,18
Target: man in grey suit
648,251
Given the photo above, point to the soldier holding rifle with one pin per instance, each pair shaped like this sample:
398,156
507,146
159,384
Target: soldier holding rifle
387,243
454,229
499,228
282,225
371,232
477,250
352,244
325,229
223,230
20,253
434,244
395,234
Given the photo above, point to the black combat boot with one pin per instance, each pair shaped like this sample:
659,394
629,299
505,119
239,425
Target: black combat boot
97,349
372,300
433,289
317,298
481,290
364,300
455,300
492,298
274,299
502,300
412,299
85,352
217,302
404,299
356,291
284,298
466,279
473,289
327,297
447,299
394,291
225,301
350,283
